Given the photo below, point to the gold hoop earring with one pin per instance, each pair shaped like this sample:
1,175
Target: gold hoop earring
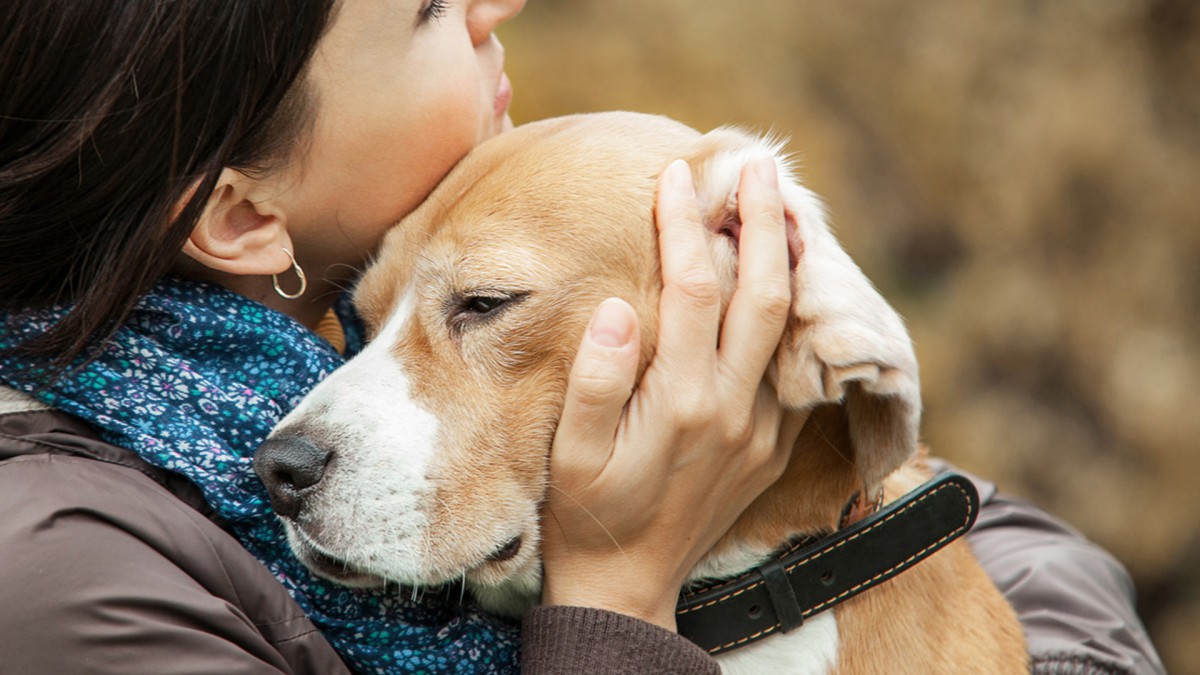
299,273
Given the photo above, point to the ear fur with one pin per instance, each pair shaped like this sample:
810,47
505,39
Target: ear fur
843,343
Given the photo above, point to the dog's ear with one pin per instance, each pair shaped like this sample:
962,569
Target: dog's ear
843,343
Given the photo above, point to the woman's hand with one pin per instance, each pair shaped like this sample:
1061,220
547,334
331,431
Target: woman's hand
643,486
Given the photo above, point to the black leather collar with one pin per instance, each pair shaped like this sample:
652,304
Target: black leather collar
812,576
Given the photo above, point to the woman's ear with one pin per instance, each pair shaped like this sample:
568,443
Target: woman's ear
242,230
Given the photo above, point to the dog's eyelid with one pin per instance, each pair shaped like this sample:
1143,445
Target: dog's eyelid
480,306
483,304
487,296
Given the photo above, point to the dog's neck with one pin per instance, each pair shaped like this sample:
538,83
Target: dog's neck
807,501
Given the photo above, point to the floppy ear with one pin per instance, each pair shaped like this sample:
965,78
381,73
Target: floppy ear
843,343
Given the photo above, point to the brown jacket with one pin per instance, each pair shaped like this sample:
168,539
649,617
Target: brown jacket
1075,601
109,565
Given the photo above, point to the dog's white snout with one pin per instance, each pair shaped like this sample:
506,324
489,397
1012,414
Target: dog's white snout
350,467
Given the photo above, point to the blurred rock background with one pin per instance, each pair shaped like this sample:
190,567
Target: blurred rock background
1021,179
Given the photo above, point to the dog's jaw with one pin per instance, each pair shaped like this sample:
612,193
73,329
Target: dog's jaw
513,596
325,565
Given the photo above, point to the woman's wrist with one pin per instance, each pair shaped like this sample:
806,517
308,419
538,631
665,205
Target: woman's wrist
624,596
621,582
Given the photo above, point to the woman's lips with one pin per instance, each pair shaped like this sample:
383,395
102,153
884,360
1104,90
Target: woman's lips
503,95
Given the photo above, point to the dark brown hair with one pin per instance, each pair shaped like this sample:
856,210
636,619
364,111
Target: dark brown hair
111,115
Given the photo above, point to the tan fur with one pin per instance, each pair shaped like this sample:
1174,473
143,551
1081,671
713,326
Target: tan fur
562,212
951,612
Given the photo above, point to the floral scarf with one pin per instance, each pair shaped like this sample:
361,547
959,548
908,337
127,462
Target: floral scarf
193,382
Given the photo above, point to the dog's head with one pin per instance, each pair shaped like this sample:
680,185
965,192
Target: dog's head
423,460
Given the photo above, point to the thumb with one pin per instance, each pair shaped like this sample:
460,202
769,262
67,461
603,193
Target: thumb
599,386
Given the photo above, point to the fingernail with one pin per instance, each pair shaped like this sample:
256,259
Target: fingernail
767,172
612,324
679,177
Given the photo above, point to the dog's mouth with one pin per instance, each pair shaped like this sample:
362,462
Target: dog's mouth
326,565
493,569
505,561
506,551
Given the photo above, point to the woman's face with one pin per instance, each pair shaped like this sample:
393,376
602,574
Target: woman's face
403,89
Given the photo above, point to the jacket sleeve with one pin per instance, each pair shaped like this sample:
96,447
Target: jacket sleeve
103,572
559,640
1074,599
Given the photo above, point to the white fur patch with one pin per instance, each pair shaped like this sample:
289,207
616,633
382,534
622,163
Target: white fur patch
372,500
811,649
724,169
730,563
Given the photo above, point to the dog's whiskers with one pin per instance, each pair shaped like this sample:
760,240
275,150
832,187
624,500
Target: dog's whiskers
590,515
461,578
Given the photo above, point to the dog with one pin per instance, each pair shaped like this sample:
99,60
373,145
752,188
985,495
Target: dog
423,461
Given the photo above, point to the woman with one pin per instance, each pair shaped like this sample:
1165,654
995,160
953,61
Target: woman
165,167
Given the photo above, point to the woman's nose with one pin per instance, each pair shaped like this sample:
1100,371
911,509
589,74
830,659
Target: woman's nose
485,15
291,467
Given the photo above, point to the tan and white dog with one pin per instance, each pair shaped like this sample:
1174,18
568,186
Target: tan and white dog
423,461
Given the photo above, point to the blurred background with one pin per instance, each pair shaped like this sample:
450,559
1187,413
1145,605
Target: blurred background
1020,179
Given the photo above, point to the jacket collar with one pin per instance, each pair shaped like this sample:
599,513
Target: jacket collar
29,427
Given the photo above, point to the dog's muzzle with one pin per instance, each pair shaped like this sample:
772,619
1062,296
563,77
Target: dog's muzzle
291,467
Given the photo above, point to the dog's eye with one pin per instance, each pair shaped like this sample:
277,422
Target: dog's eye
483,304
469,310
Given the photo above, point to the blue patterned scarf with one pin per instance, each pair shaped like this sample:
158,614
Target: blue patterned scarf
192,383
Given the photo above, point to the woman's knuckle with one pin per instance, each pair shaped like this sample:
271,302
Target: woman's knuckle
594,389
737,418
700,286
774,467
738,430
693,411
766,438
682,213
773,211
774,299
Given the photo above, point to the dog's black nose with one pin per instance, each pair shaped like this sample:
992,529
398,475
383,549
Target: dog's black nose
289,466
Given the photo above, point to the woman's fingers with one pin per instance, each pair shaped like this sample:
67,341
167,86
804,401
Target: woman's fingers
642,491
689,310
759,308
600,384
